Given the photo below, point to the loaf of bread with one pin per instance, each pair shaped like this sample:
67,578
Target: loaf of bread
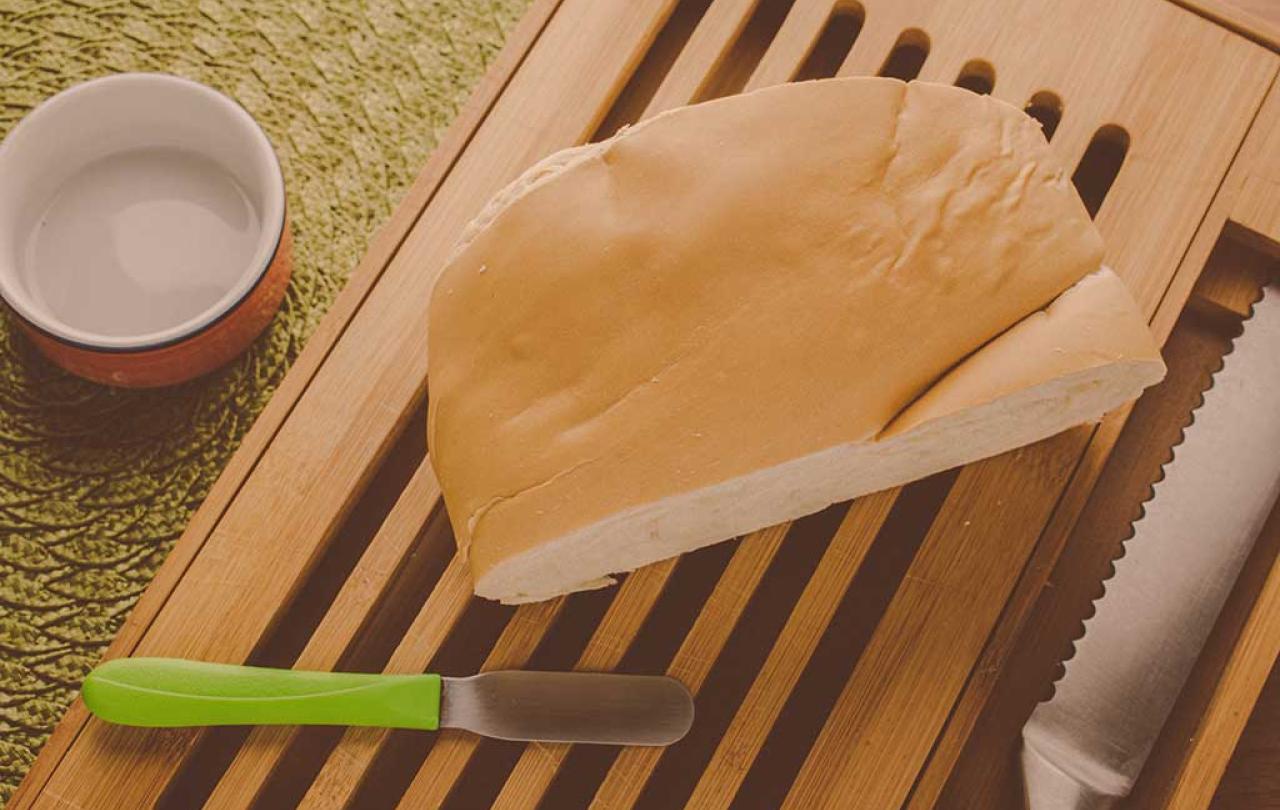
740,312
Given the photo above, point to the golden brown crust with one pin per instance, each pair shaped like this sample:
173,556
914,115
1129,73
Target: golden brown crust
730,286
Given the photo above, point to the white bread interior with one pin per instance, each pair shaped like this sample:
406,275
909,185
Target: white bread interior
725,318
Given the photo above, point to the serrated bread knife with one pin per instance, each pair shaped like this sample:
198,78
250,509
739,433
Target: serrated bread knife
1084,748
576,707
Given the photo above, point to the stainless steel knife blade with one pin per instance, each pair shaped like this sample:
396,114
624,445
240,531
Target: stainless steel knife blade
574,707
1084,748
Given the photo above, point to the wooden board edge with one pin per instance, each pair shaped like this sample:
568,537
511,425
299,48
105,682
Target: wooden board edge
383,246
1236,692
1260,29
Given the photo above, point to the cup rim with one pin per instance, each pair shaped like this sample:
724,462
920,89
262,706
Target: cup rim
273,219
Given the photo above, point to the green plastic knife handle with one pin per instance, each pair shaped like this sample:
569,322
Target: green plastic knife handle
162,692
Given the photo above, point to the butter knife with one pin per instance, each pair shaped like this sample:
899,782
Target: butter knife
573,707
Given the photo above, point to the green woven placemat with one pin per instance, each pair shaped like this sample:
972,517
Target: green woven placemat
96,484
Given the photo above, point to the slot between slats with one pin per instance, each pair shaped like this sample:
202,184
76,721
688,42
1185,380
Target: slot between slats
1046,107
908,55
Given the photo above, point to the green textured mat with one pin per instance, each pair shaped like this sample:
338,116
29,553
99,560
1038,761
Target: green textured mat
96,484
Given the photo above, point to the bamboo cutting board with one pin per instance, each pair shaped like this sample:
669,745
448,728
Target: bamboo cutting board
879,654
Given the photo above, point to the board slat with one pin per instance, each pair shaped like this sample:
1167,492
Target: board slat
983,678
875,42
1256,207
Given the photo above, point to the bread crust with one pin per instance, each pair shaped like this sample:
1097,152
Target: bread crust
729,288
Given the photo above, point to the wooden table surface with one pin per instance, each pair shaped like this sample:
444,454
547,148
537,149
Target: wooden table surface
1252,780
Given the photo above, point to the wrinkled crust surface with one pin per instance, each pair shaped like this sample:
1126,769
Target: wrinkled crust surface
729,287
1069,364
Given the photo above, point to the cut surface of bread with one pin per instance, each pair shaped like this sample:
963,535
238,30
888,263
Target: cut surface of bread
738,313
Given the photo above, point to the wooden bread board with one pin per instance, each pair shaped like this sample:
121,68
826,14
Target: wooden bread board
877,655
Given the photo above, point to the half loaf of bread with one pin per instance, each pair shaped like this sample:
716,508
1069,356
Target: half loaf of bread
740,312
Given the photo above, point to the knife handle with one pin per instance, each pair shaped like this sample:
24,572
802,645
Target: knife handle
164,692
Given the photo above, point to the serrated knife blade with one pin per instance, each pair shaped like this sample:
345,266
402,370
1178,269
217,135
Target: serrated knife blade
1084,748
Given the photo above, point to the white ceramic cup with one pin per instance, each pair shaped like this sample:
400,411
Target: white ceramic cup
143,235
